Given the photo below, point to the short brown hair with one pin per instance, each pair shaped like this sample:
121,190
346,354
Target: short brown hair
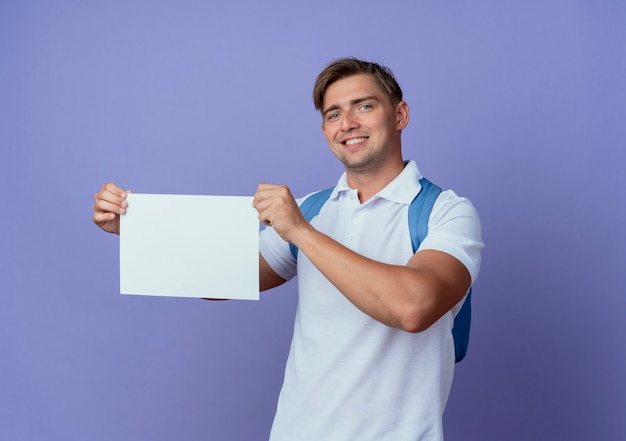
346,67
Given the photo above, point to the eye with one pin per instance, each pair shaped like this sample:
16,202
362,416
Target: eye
332,116
366,107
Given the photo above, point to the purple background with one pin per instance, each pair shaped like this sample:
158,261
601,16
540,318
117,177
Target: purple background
519,107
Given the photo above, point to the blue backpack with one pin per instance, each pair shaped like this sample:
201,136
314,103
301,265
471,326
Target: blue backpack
419,212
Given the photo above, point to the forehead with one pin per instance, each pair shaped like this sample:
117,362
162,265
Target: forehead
347,89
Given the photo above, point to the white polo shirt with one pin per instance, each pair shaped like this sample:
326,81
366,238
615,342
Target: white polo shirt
349,377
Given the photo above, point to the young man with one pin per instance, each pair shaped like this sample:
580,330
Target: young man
372,356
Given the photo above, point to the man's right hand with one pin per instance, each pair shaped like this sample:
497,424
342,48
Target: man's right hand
110,203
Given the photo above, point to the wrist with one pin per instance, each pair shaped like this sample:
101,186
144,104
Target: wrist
304,236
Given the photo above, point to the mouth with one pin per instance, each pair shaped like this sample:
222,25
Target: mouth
354,141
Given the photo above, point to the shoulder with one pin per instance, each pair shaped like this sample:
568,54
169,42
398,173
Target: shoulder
449,206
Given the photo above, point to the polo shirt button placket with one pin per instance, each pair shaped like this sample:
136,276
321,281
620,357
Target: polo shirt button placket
354,226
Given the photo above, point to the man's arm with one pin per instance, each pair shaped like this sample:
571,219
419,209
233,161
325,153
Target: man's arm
267,277
410,297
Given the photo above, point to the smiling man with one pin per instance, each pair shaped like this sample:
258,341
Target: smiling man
372,355
362,125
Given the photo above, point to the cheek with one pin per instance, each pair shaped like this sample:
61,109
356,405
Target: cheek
325,131
329,134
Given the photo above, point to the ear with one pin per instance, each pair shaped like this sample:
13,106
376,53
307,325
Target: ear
402,115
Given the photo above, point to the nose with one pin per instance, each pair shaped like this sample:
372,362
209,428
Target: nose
349,121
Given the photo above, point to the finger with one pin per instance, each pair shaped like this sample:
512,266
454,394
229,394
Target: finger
272,193
266,215
112,188
261,195
264,186
102,217
112,193
265,191
111,197
261,204
104,206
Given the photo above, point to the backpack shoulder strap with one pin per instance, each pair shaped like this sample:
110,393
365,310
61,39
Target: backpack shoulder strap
310,207
419,213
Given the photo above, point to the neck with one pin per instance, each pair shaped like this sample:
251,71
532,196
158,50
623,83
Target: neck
369,182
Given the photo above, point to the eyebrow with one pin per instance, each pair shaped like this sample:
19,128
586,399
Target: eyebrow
352,103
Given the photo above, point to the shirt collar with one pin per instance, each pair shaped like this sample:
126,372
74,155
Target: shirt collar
401,190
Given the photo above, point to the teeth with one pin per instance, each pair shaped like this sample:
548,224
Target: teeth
355,141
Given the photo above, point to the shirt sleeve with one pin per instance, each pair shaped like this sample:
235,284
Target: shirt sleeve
277,253
454,228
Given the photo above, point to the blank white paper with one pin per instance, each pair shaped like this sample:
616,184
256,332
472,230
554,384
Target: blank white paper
190,246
